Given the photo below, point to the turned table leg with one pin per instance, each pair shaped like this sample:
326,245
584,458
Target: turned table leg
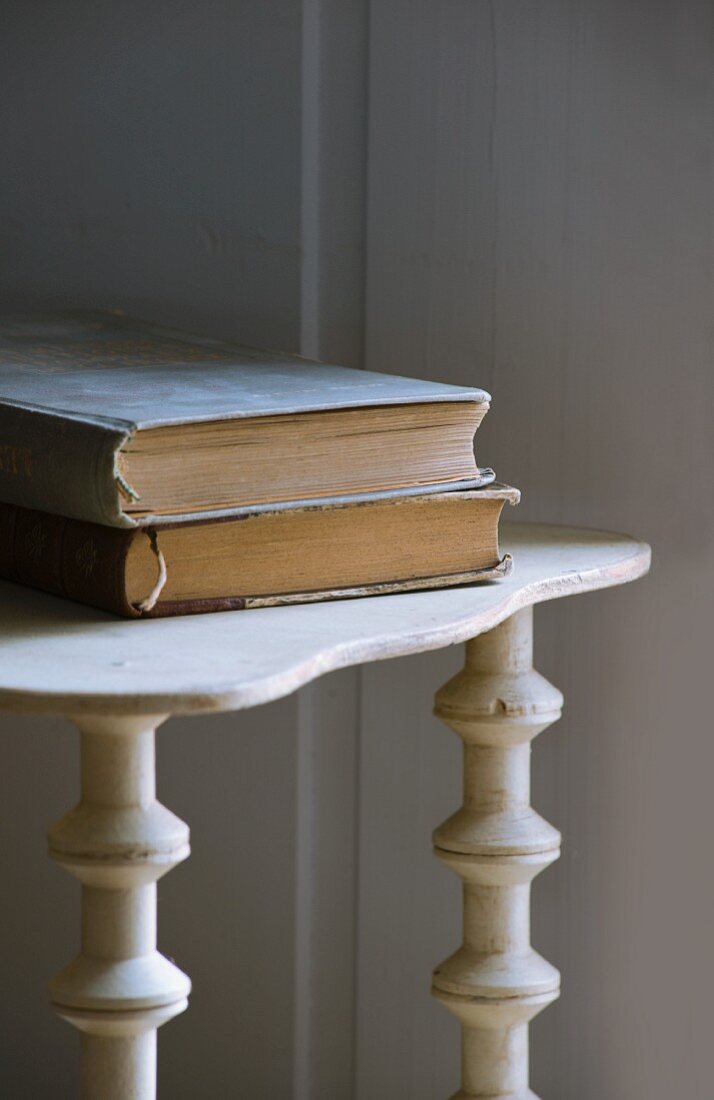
118,841
495,983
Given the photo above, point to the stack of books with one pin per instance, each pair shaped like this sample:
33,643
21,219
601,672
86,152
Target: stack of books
147,472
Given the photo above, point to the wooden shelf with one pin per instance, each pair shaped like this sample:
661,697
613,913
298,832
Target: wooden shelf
59,657
118,680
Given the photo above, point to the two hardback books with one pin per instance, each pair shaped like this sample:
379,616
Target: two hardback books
146,472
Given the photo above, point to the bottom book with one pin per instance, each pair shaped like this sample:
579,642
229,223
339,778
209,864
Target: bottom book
260,557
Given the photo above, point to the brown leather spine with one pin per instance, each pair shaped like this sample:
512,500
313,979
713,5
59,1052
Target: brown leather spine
86,562
167,608
8,518
66,557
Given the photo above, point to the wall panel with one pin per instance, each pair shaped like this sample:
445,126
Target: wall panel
200,165
540,215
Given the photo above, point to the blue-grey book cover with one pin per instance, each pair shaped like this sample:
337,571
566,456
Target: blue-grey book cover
75,387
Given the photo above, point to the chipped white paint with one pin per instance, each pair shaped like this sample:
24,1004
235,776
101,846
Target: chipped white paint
115,677
118,841
495,983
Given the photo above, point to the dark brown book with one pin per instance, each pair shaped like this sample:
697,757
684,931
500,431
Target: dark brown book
261,557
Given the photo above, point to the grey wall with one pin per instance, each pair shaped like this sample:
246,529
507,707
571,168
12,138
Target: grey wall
538,220
541,200
201,165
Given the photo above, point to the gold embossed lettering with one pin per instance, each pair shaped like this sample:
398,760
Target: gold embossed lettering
15,460
36,541
86,557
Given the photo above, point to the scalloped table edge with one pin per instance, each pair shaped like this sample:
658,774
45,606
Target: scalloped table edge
383,645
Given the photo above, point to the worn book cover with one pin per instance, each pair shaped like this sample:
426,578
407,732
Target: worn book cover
258,558
80,392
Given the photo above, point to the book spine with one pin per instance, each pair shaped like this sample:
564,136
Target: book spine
65,557
61,464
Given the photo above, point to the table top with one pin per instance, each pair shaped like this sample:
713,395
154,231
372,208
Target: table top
62,658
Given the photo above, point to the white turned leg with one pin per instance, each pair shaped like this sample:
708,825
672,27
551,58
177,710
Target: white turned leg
118,841
495,983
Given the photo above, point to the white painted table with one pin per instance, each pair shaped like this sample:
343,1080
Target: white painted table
118,680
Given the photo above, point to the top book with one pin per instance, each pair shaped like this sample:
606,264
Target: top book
123,423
